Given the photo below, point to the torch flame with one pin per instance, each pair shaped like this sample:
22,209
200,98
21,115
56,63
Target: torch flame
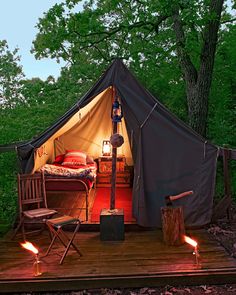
190,241
29,246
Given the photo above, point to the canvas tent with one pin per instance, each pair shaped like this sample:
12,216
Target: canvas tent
168,156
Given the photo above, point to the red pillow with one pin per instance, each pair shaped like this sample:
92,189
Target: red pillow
59,159
74,157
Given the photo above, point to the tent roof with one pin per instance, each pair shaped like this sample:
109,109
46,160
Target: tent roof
121,78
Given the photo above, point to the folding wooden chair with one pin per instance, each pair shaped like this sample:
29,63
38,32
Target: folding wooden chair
57,228
32,201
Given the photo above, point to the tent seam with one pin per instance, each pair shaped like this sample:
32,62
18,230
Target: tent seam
148,116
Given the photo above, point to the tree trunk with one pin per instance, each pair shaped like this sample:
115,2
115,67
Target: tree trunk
198,83
197,100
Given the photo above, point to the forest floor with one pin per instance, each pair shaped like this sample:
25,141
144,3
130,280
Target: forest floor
167,290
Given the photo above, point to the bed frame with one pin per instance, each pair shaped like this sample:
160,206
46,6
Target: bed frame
69,184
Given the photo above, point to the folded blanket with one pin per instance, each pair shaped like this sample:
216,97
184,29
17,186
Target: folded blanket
62,171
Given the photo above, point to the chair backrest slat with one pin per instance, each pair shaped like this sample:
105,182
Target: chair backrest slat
31,190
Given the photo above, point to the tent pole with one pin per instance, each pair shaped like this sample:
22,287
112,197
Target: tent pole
113,173
227,189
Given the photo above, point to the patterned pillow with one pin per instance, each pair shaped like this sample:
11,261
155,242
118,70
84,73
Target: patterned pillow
74,157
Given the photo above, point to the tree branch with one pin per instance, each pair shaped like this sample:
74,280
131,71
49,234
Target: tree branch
113,31
66,53
122,43
101,53
160,19
228,21
140,2
105,35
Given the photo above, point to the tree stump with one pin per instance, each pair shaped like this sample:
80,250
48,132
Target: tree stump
173,225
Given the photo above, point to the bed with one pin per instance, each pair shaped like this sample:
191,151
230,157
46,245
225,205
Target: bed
71,173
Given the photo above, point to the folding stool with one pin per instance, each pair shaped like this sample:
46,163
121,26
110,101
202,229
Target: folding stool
56,228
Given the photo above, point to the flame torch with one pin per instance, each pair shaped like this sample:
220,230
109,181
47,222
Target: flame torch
37,266
195,245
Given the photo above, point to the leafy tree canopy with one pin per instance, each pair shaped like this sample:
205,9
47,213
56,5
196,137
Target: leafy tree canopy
11,75
222,123
156,37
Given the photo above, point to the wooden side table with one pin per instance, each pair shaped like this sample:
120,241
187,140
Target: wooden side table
105,164
123,177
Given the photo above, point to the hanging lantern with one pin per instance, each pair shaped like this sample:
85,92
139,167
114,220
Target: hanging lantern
106,148
117,112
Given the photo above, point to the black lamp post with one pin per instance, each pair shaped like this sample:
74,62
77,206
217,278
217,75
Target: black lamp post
116,141
112,220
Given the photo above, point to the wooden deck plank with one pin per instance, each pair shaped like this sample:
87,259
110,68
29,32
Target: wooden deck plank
142,258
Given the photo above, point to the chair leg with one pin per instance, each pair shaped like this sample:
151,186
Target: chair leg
70,243
61,235
55,234
23,229
70,240
17,229
21,226
50,246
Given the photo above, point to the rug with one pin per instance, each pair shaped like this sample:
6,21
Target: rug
102,200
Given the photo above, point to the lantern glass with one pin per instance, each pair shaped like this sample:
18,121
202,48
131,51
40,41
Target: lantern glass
116,111
106,148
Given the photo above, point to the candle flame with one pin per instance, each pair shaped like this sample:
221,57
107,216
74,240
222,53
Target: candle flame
29,246
190,241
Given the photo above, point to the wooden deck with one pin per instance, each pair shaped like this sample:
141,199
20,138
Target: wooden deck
142,259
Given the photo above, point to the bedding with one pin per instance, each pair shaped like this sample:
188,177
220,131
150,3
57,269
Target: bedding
60,177
57,176
86,171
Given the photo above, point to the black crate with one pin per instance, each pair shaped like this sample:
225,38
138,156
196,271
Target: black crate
112,225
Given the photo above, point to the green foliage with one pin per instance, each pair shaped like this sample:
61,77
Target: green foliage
156,36
10,76
222,103
8,191
29,120
222,110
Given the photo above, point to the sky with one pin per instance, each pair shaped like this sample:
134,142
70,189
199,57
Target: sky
17,25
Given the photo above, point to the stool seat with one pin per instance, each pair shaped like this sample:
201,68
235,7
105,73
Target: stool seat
62,220
56,227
